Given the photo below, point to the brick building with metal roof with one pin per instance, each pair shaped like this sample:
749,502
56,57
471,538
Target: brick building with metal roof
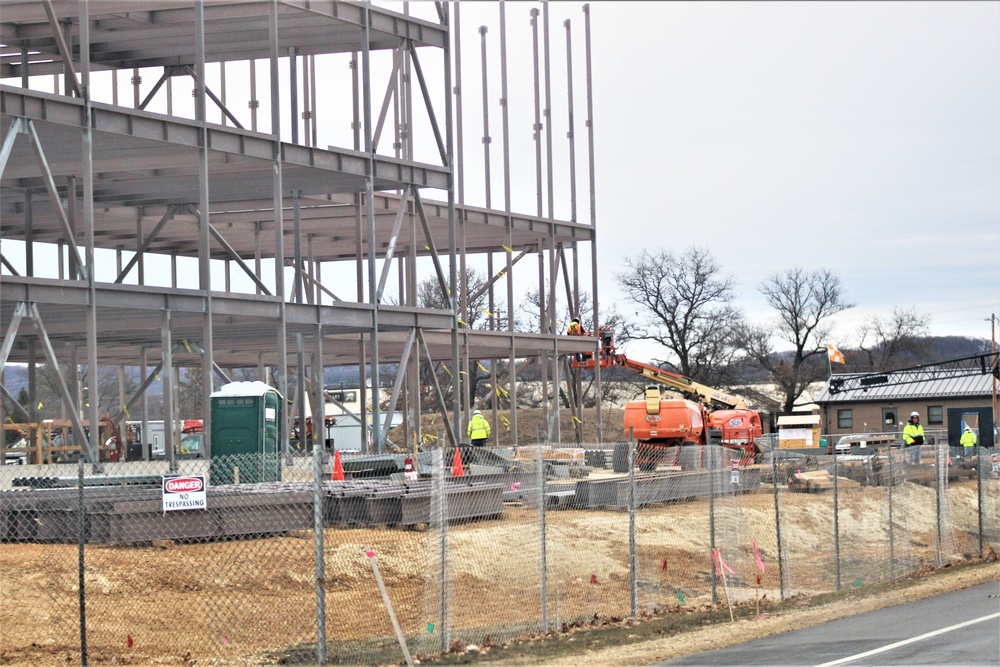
941,403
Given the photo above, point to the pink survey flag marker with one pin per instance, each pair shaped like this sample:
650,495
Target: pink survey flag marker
756,555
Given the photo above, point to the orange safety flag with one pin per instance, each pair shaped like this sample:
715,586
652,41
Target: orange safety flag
835,355
338,468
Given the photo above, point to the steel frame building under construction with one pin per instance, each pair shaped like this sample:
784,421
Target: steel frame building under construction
90,172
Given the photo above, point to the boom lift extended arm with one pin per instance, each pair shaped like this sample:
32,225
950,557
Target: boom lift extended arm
688,388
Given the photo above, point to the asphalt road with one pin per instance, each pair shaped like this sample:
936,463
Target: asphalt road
957,628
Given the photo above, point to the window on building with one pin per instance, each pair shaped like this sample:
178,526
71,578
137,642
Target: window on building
845,419
935,414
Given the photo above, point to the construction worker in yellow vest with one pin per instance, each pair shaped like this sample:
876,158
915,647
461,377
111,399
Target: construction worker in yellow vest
968,442
913,436
479,429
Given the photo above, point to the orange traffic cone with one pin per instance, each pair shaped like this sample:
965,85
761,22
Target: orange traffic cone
338,468
456,465
408,471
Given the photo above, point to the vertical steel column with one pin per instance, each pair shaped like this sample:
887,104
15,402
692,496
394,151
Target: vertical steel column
167,378
122,425
556,379
144,409
593,219
278,194
366,87
204,225
297,246
71,217
319,396
253,103
222,86
140,265
452,240
359,235
574,307
488,183
537,127
25,83
293,91
547,111
504,103
29,270
543,364
312,93
300,392
459,174
570,132
537,137
93,415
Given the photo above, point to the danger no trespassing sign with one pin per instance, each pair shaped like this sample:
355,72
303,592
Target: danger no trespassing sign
184,493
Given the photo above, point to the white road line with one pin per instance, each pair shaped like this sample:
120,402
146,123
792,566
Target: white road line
911,640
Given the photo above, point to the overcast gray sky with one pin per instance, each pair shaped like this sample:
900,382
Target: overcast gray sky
863,137
860,137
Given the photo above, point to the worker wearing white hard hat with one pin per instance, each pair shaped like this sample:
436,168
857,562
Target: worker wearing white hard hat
478,430
913,436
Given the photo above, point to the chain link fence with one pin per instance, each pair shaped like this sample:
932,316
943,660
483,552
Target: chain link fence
268,560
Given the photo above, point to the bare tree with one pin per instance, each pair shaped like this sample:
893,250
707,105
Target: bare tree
685,305
804,301
893,340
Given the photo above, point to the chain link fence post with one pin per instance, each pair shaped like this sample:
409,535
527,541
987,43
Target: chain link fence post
541,528
81,541
438,495
979,497
318,518
633,559
710,464
836,519
892,528
777,525
940,465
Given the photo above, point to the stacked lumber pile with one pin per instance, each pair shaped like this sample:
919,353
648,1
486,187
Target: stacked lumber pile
817,481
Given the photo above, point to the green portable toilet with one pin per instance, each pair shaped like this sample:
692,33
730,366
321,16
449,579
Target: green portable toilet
247,426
